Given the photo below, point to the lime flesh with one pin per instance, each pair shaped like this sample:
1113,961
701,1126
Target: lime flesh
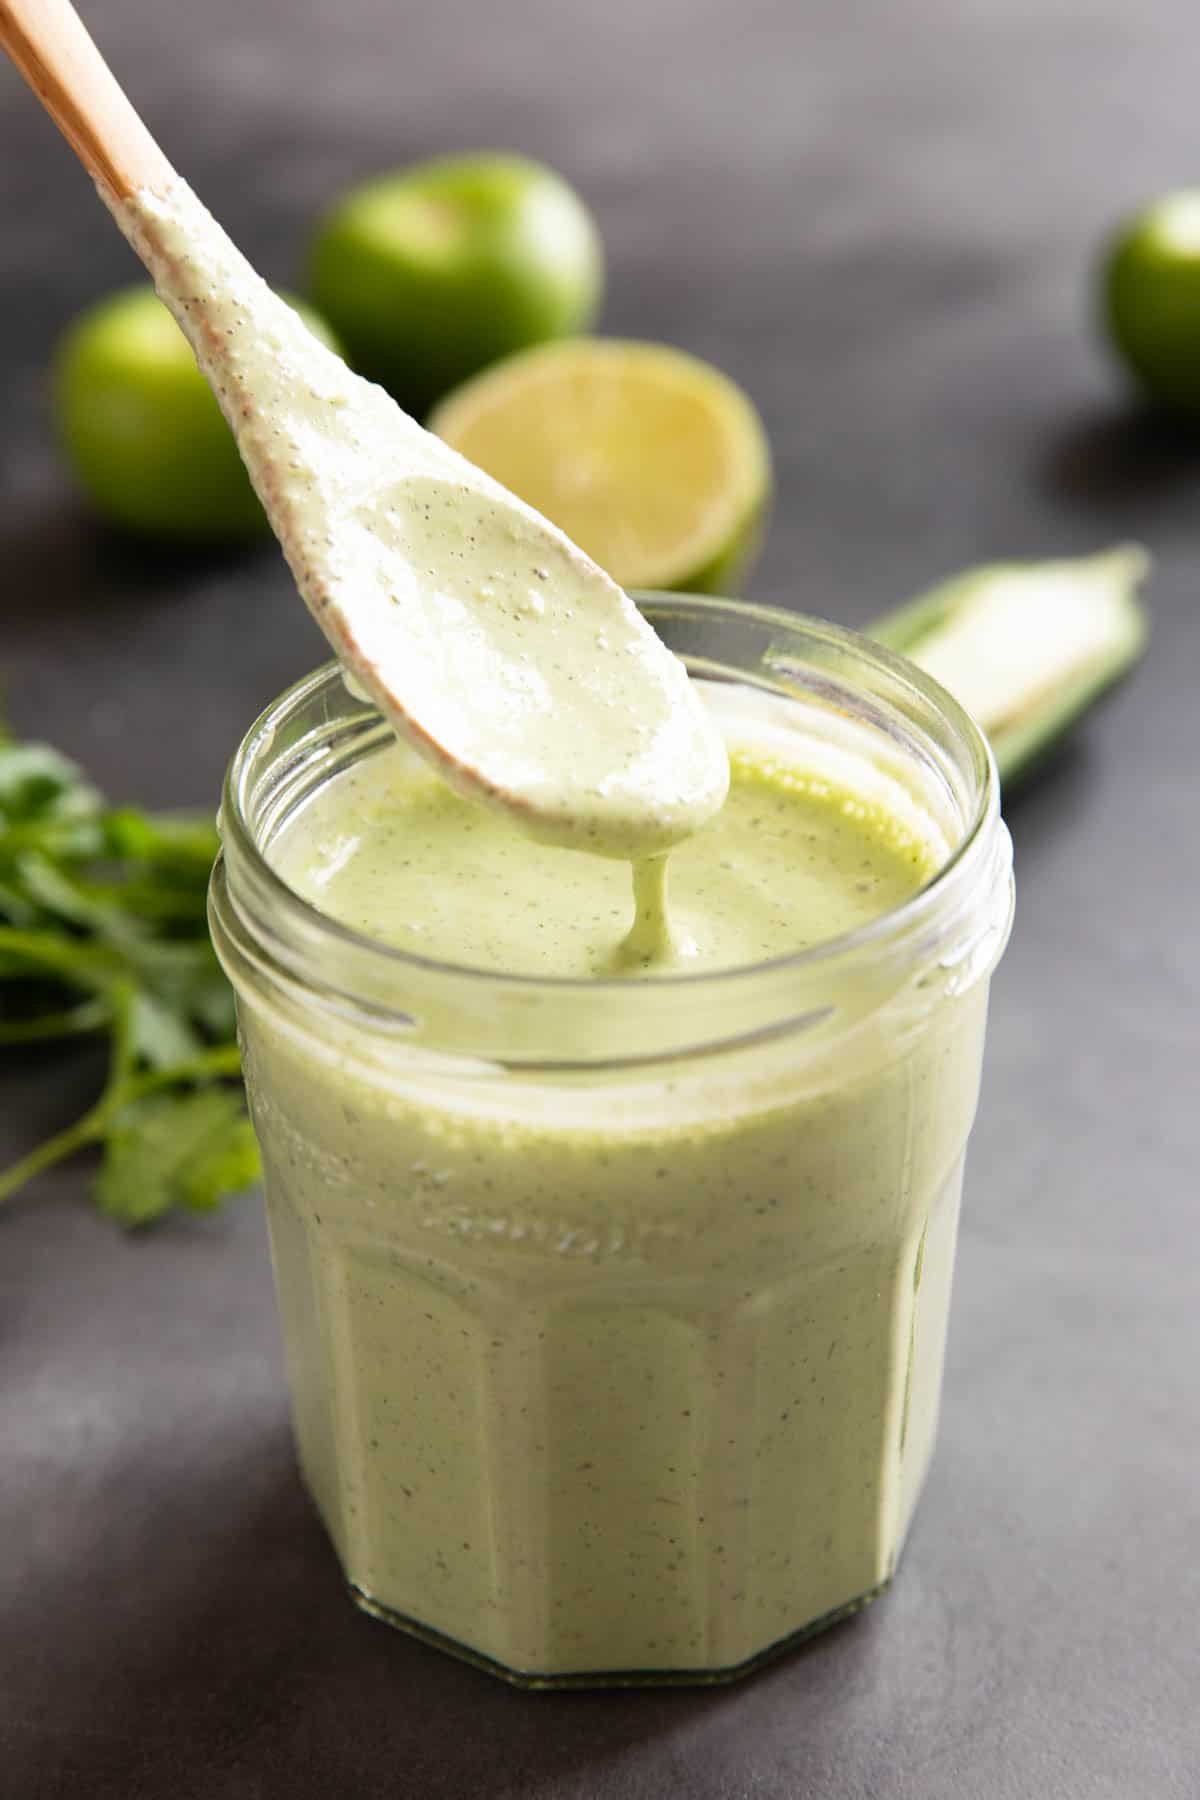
652,461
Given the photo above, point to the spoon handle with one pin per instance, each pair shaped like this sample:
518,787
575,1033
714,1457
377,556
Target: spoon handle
49,44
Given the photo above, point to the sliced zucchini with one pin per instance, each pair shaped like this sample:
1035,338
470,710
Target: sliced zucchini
1027,648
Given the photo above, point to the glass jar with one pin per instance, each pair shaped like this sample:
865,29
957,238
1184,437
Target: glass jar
614,1311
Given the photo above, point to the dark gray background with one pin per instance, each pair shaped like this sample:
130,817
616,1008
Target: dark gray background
880,217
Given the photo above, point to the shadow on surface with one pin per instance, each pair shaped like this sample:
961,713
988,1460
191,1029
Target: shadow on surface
1039,805
223,1624
1121,456
60,562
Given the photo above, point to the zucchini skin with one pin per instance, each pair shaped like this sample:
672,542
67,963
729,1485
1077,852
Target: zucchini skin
1021,745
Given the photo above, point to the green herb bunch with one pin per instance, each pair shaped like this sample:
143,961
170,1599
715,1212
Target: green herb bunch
103,932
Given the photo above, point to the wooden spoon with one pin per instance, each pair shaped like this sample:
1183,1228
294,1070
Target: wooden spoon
490,641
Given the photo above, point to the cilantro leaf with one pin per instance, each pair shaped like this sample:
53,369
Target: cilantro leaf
38,784
103,928
159,1034
174,1150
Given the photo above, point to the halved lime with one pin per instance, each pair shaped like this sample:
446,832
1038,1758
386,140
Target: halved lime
141,428
654,462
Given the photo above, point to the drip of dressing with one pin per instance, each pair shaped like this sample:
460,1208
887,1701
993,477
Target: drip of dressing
652,939
492,644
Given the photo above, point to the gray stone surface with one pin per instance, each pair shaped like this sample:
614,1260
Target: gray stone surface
880,218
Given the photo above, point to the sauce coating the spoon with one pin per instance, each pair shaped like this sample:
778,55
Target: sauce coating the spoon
492,644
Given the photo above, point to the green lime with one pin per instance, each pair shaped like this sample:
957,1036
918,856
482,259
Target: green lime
1151,298
654,462
141,429
429,274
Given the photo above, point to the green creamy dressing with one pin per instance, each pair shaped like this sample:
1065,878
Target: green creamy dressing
789,862
639,1371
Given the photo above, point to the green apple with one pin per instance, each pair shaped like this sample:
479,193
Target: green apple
141,429
429,274
1151,299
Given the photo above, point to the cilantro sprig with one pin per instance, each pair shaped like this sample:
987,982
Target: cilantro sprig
102,931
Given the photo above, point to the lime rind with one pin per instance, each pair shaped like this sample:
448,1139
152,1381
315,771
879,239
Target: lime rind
141,430
433,272
1149,300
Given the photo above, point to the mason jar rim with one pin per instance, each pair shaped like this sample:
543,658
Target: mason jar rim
289,934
